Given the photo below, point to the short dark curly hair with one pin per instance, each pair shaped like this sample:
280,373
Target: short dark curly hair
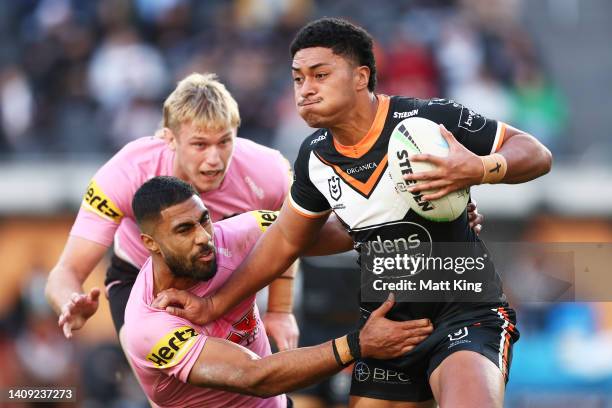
343,38
156,195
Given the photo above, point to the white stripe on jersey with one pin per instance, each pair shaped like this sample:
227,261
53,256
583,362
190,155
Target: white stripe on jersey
301,209
498,133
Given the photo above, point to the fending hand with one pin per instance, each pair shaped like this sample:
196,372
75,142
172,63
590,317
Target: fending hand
186,305
77,310
283,329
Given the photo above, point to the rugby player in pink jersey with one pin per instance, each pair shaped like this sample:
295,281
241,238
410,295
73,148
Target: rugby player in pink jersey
232,175
180,364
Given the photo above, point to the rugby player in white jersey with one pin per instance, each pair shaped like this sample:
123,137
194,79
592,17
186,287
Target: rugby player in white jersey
466,360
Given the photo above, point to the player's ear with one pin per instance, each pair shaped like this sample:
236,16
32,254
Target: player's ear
167,135
150,243
362,77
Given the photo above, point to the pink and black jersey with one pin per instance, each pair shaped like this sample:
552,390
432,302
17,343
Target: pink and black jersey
257,178
164,348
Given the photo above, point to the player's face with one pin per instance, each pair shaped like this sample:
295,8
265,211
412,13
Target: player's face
324,86
202,156
185,238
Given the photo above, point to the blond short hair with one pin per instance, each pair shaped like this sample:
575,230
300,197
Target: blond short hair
203,101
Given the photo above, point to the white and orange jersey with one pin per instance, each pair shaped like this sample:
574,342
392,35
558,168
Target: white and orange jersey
355,182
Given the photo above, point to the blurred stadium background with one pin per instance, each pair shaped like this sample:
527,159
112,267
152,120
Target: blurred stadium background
79,79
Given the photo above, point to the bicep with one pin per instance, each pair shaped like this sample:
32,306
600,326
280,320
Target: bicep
297,230
519,141
527,158
222,365
510,132
333,238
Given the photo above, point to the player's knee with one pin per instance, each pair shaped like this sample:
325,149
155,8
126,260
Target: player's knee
467,379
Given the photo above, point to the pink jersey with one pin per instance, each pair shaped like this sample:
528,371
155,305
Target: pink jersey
164,348
257,178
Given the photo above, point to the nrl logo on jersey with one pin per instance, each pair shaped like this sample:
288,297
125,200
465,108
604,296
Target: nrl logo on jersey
335,190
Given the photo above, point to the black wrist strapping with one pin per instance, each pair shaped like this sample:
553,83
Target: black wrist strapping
353,343
336,354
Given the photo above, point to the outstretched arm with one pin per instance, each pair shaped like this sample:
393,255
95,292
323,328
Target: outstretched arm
227,366
64,290
278,248
279,320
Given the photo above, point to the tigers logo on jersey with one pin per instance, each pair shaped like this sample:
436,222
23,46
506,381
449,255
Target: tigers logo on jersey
335,191
171,349
264,218
97,202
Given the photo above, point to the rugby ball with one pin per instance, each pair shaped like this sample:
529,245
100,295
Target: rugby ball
414,136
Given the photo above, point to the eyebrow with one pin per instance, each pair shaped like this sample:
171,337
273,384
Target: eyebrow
312,66
203,217
183,225
223,136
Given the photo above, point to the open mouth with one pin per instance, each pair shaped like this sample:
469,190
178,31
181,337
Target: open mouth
211,174
206,255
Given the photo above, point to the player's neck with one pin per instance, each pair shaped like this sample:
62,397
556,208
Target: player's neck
356,124
163,278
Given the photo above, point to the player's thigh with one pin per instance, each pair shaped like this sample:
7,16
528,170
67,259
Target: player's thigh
466,379
365,402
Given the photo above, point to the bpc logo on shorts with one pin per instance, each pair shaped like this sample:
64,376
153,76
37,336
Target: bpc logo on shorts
361,372
390,376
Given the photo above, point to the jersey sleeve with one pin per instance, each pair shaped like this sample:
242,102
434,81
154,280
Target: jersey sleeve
477,133
240,233
165,343
107,200
263,220
304,196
